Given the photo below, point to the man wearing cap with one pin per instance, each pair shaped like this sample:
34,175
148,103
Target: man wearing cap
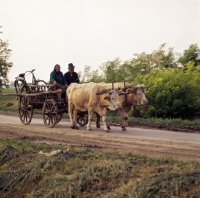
71,76
58,81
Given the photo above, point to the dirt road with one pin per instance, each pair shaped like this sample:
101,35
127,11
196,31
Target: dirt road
183,146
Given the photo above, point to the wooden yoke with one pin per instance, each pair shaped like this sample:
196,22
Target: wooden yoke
125,94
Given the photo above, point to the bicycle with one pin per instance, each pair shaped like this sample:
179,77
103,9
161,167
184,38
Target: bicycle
22,86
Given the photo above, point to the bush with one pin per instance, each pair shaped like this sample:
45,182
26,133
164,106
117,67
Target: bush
173,93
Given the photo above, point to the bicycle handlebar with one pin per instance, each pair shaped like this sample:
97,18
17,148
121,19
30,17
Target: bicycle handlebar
30,71
23,74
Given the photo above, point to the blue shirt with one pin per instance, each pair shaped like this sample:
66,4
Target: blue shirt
58,77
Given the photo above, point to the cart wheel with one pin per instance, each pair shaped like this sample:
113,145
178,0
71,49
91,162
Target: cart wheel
50,113
25,110
82,118
59,117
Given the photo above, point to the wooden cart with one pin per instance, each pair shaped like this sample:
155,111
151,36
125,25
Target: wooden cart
41,97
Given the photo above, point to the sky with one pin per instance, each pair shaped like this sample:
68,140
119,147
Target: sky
42,33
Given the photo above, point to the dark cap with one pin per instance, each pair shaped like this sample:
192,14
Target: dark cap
70,65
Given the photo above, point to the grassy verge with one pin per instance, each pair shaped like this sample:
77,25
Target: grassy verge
8,103
177,122
83,172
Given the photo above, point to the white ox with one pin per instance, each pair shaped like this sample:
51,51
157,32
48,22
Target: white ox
91,97
135,96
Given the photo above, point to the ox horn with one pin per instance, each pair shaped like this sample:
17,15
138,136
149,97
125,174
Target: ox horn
129,90
126,87
120,92
118,89
103,91
147,85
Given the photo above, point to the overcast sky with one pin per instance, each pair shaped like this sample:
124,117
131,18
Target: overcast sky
42,33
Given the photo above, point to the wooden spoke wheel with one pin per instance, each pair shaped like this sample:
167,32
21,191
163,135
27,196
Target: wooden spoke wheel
25,110
82,118
50,113
59,117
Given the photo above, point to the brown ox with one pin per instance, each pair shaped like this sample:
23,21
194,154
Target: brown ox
136,96
91,97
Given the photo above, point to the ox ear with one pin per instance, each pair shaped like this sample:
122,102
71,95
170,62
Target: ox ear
107,98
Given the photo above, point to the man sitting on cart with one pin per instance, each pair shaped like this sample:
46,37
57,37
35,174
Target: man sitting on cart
71,76
58,81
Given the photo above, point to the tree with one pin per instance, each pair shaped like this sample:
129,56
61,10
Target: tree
5,65
190,54
110,70
144,63
90,76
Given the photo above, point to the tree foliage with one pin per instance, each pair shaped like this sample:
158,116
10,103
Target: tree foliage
5,65
158,59
190,54
173,92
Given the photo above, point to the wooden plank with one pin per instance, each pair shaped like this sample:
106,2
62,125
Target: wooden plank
33,94
31,85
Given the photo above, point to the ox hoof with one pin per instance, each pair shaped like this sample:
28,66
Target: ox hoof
124,129
98,126
89,129
76,128
73,127
107,131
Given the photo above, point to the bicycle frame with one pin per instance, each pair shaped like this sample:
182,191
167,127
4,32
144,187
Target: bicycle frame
21,77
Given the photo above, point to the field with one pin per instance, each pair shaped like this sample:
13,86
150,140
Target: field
8,103
33,170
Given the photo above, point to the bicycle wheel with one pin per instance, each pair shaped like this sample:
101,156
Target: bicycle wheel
18,85
42,85
25,89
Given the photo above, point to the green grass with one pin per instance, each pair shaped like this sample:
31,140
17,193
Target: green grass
8,103
83,172
177,122
8,90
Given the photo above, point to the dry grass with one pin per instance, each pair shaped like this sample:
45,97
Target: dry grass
83,172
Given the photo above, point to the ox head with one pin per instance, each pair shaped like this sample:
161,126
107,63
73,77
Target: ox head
137,93
111,96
